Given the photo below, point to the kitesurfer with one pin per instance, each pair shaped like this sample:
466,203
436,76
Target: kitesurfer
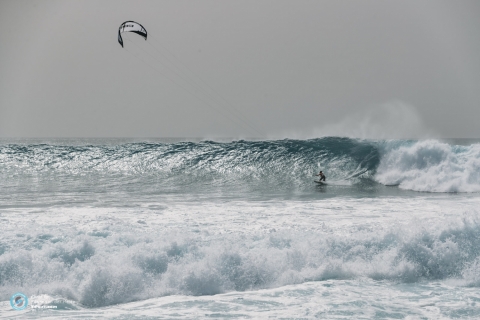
321,175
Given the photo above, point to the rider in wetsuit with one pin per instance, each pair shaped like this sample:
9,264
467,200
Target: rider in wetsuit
321,175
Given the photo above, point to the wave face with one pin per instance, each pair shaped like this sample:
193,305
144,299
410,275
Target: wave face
187,167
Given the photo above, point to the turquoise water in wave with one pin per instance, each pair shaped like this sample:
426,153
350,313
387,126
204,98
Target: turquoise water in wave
172,228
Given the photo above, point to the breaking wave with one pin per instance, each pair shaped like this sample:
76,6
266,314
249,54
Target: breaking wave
429,165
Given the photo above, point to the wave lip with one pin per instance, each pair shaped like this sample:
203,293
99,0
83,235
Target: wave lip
431,166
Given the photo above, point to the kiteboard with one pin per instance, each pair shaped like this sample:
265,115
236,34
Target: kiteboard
322,183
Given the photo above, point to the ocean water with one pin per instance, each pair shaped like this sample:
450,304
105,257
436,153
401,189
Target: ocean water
167,229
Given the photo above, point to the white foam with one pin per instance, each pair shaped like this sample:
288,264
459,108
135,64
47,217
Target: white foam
432,166
105,256
331,299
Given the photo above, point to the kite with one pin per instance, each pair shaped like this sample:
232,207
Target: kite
131,26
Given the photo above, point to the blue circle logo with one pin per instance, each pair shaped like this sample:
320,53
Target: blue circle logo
19,301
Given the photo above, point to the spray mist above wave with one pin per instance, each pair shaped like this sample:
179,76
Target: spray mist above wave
431,166
392,120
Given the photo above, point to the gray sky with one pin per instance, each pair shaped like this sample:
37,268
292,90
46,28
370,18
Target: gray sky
298,69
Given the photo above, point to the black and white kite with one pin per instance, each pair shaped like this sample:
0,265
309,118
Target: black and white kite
131,26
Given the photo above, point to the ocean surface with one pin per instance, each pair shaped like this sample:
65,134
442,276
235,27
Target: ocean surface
184,229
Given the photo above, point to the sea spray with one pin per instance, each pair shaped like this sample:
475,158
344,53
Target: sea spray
431,166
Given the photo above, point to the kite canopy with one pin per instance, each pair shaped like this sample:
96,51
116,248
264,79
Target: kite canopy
131,26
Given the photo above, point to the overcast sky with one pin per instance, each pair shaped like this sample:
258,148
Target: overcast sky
297,69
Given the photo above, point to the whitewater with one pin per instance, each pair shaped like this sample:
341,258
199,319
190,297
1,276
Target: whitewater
187,228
